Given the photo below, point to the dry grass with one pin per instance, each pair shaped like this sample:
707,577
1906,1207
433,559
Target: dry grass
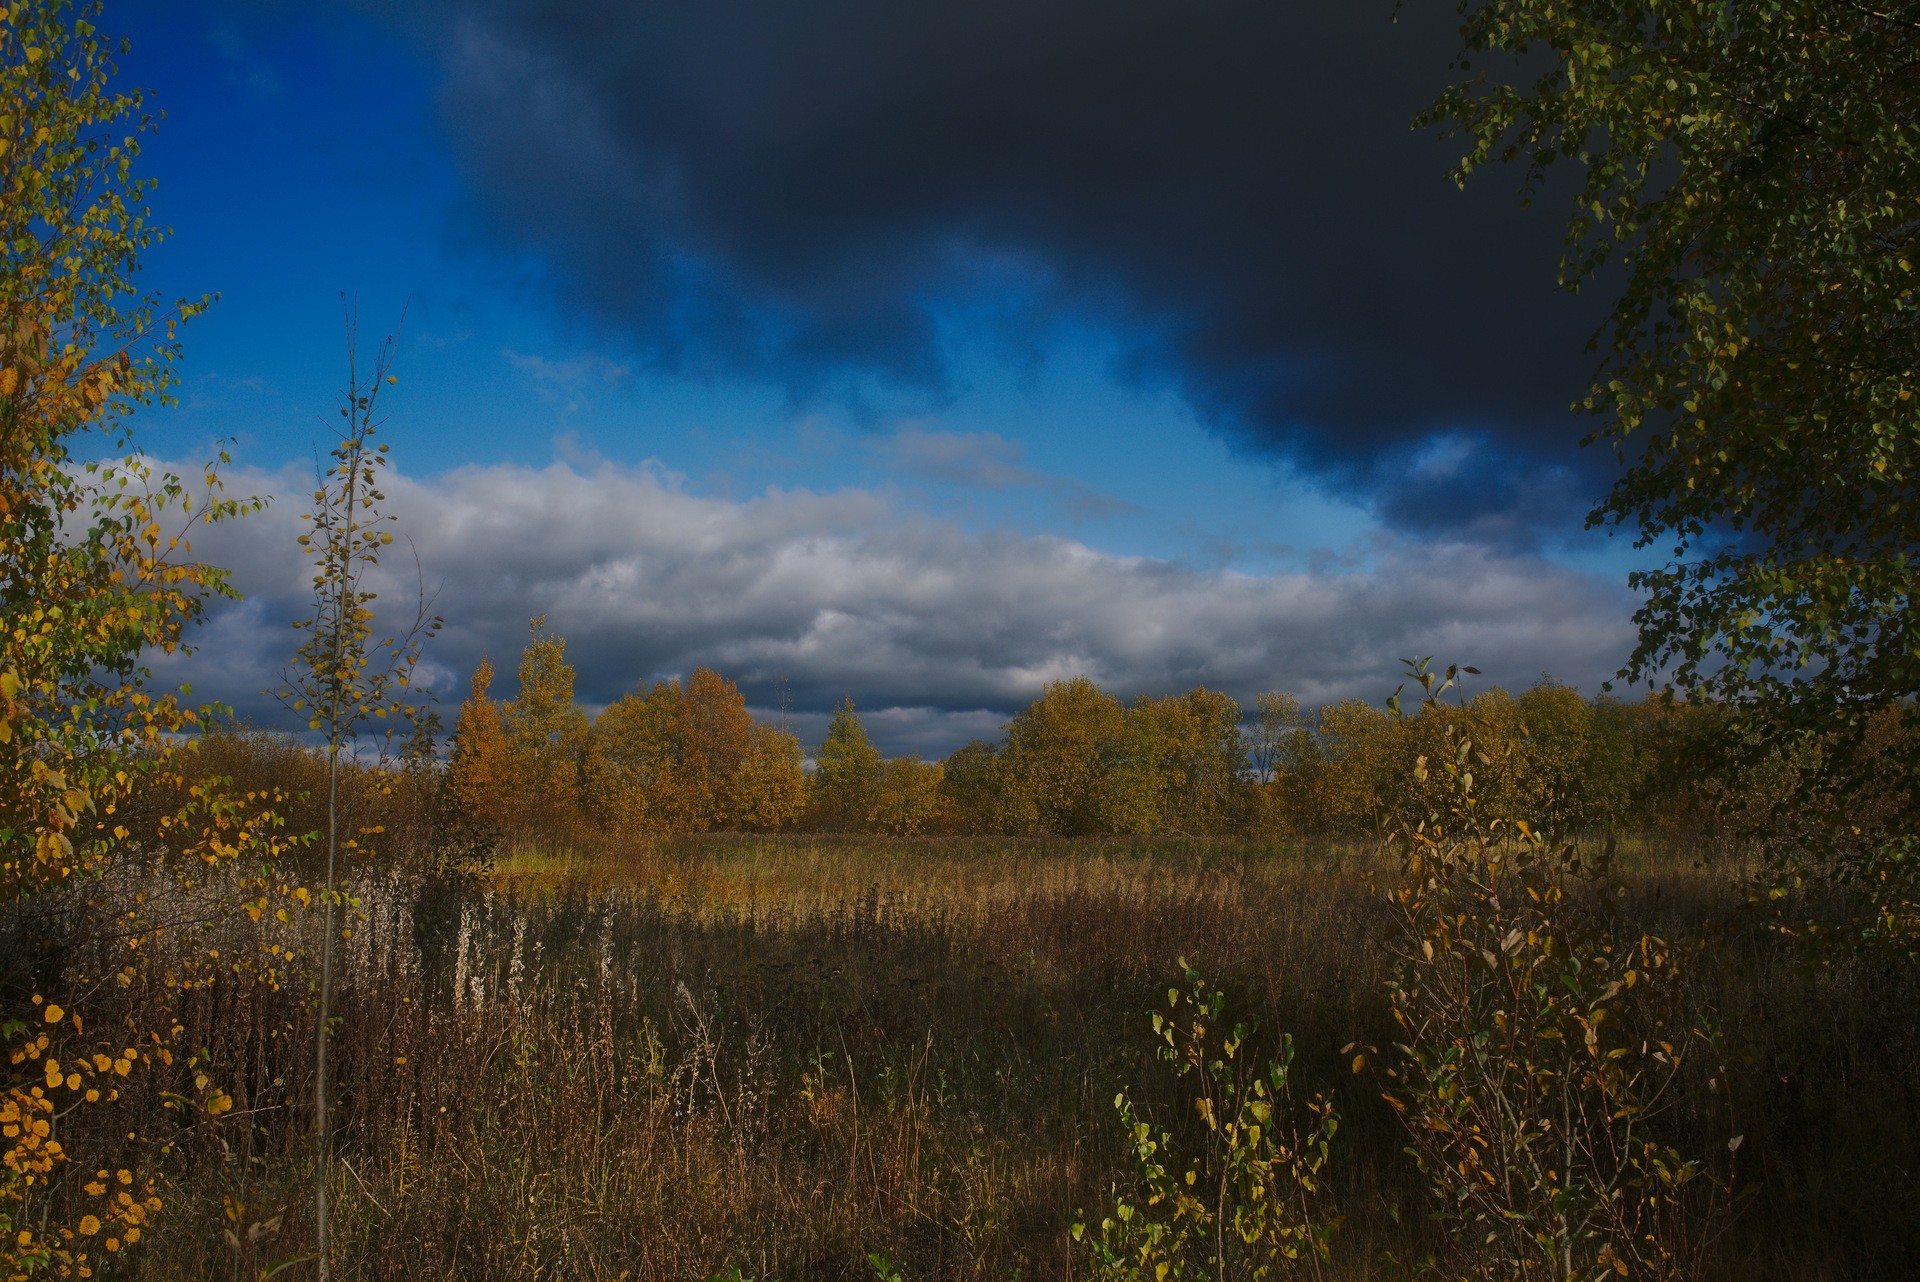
781,1054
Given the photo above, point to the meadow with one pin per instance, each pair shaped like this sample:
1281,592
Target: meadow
850,1057
648,989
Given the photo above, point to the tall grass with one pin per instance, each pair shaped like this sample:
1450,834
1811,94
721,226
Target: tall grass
783,1054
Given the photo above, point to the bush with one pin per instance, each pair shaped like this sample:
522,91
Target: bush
1250,1203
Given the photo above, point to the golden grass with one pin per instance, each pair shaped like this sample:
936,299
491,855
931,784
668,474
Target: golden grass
779,1054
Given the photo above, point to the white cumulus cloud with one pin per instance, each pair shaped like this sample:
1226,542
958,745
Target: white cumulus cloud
937,632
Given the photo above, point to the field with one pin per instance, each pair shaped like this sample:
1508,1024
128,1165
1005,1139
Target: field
798,1058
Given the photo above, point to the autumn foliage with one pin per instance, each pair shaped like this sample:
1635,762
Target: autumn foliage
96,576
666,759
480,769
684,757
792,1050
690,759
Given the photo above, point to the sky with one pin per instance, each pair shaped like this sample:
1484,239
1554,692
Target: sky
919,353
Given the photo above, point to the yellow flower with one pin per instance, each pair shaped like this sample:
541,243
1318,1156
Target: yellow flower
89,1225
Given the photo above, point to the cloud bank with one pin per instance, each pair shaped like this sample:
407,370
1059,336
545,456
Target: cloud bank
809,193
937,632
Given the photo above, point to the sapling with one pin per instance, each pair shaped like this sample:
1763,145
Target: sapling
342,678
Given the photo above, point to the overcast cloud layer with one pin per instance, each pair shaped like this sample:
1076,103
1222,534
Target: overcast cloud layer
942,633
808,193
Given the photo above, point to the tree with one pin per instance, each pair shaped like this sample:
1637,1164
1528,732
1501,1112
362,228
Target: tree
970,785
1499,759
1211,761
1614,772
96,575
769,789
1057,756
906,798
691,760
343,678
546,733
633,750
1179,768
1751,171
1352,771
1557,725
1274,737
479,779
846,772
716,737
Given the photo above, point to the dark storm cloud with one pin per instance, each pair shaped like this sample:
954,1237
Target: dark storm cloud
799,191
937,633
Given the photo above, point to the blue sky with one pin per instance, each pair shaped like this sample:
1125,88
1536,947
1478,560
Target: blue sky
688,263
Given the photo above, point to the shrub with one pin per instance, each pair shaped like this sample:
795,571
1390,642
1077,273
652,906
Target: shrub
1250,1203
1537,1054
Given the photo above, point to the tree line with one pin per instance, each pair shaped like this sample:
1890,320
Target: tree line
688,756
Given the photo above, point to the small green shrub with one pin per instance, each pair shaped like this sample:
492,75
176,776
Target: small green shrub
1249,1204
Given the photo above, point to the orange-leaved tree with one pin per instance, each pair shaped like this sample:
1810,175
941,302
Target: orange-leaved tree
479,779
716,736
95,576
690,759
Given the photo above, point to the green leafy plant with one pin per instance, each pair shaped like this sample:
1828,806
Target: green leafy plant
1250,1203
1744,176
